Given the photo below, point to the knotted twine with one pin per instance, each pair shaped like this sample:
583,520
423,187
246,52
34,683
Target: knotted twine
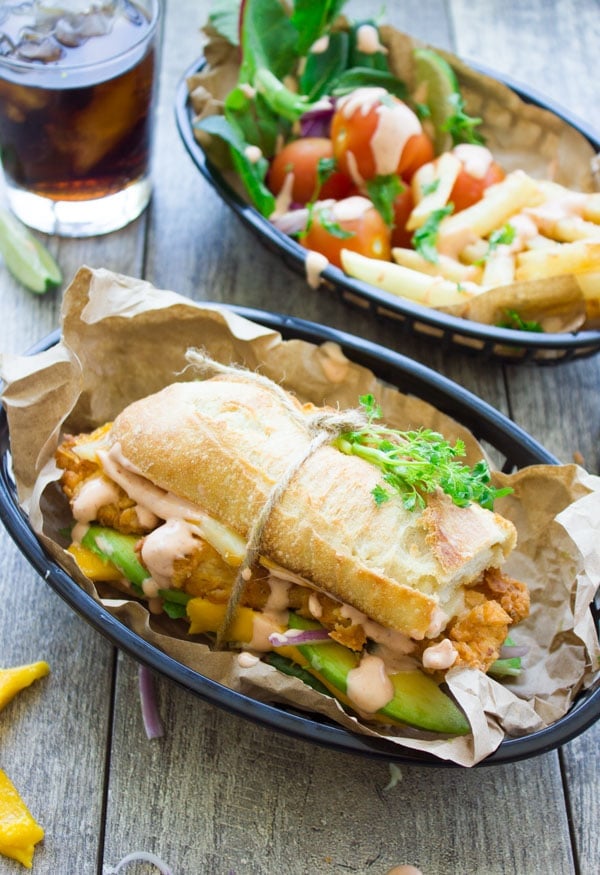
322,427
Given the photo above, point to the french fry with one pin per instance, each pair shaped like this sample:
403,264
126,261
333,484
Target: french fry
564,228
438,178
589,283
499,268
591,208
449,268
407,283
499,203
561,259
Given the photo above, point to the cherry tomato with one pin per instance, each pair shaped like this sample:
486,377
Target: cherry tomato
417,151
469,187
376,134
352,223
402,206
301,157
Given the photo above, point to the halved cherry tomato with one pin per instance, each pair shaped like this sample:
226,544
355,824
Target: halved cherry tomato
402,206
301,157
469,187
352,223
376,134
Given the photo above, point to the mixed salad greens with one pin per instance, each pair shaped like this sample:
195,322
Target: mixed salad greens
262,111
356,140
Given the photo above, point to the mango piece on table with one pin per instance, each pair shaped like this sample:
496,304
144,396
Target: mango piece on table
19,832
13,680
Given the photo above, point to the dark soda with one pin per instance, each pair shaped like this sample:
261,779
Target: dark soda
75,97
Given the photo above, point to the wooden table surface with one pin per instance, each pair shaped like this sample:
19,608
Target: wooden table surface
218,794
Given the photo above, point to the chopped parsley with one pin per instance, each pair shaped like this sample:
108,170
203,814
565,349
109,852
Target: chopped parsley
515,321
460,125
500,237
424,239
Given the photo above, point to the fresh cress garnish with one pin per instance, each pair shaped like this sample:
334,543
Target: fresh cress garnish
417,462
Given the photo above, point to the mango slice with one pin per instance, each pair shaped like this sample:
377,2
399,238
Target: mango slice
19,832
13,680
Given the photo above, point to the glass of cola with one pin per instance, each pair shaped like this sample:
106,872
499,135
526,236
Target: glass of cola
77,85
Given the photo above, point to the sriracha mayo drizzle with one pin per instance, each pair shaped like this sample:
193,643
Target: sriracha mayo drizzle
476,160
368,685
93,494
167,506
396,124
175,539
319,46
440,656
367,40
394,641
315,263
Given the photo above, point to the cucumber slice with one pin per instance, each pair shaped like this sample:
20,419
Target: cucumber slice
26,258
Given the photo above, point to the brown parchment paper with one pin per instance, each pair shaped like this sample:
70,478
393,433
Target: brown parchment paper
519,134
122,339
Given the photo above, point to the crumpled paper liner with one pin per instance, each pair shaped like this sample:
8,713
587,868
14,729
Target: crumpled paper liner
123,339
519,135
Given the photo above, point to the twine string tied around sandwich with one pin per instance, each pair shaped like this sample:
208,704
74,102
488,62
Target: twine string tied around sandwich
323,427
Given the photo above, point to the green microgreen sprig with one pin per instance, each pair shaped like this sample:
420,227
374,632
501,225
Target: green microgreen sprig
416,463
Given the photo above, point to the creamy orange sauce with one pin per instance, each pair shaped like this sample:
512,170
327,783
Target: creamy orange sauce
278,599
253,153
247,660
150,588
396,124
319,46
367,40
93,494
350,208
476,160
167,506
314,606
175,539
283,200
441,656
395,642
368,686
263,625
314,263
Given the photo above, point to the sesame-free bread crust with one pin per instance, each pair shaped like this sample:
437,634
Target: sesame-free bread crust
225,442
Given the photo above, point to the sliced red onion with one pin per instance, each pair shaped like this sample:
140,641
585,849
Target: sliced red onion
151,717
138,857
299,636
291,222
509,651
317,121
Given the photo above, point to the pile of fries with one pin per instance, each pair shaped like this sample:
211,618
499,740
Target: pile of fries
528,245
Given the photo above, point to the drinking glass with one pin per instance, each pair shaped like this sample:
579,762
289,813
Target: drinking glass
77,86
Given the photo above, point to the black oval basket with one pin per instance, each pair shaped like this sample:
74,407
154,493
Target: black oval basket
516,449
451,333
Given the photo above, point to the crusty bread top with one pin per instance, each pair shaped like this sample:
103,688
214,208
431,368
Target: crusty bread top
223,443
